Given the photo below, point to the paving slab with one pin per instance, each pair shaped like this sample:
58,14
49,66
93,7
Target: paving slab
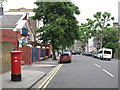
29,77
31,74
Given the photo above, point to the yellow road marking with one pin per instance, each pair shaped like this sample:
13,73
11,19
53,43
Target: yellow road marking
48,77
52,73
51,77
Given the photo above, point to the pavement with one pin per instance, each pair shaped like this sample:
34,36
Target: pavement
31,74
115,60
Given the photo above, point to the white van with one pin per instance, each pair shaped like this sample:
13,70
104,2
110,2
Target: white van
104,54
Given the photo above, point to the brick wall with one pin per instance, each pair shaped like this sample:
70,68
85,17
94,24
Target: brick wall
8,35
5,58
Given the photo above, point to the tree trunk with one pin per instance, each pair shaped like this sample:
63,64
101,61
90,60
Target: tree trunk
101,40
53,50
62,49
101,36
88,46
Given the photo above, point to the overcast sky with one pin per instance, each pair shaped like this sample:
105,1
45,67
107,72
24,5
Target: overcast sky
87,7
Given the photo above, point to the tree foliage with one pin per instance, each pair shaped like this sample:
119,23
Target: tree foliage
60,25
86,31
102,19
102,23
110,38
97,28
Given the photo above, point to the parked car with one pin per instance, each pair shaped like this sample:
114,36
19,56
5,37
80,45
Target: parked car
84,53
65,57
78,52
75,53
94,54
87,53
105,54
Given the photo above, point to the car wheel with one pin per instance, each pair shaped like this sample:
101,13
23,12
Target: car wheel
101,58
60,62
70,61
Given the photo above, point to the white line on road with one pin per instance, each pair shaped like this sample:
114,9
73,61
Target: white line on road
108,73
97,65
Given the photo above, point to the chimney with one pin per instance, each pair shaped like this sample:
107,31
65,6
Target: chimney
1,11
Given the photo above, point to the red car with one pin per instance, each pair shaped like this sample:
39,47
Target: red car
65,57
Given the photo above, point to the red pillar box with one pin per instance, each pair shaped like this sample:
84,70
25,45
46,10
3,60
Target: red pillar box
15,65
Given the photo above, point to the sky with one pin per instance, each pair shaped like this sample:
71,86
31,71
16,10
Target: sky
87,7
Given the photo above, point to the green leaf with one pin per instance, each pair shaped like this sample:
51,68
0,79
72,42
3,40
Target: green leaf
60,23
108,24
112,18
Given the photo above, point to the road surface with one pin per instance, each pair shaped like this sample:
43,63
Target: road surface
83,72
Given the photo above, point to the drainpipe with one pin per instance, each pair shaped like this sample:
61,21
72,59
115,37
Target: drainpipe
1,10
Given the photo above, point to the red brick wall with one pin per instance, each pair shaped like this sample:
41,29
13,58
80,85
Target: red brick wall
9,35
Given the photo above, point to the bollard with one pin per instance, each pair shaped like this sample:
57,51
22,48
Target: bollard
15,65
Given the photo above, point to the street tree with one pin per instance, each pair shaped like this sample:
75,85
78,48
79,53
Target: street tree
1,2
101,24
60,25
86,31
110,39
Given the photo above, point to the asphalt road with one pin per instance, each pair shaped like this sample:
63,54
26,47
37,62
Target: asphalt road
86,72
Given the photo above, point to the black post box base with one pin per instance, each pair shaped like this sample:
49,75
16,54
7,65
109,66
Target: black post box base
16,77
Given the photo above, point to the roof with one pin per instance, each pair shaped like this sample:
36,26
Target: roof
9,21
20,10
118,27
105,49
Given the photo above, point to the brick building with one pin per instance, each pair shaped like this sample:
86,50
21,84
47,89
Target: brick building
16,29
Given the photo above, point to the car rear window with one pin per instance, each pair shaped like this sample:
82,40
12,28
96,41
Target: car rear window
107,52
65,55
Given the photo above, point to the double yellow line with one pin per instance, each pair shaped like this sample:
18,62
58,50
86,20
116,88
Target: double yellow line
49,78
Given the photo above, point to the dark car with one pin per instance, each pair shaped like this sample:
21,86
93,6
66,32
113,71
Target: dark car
94,54
87,53
84,53
65,57
75,52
